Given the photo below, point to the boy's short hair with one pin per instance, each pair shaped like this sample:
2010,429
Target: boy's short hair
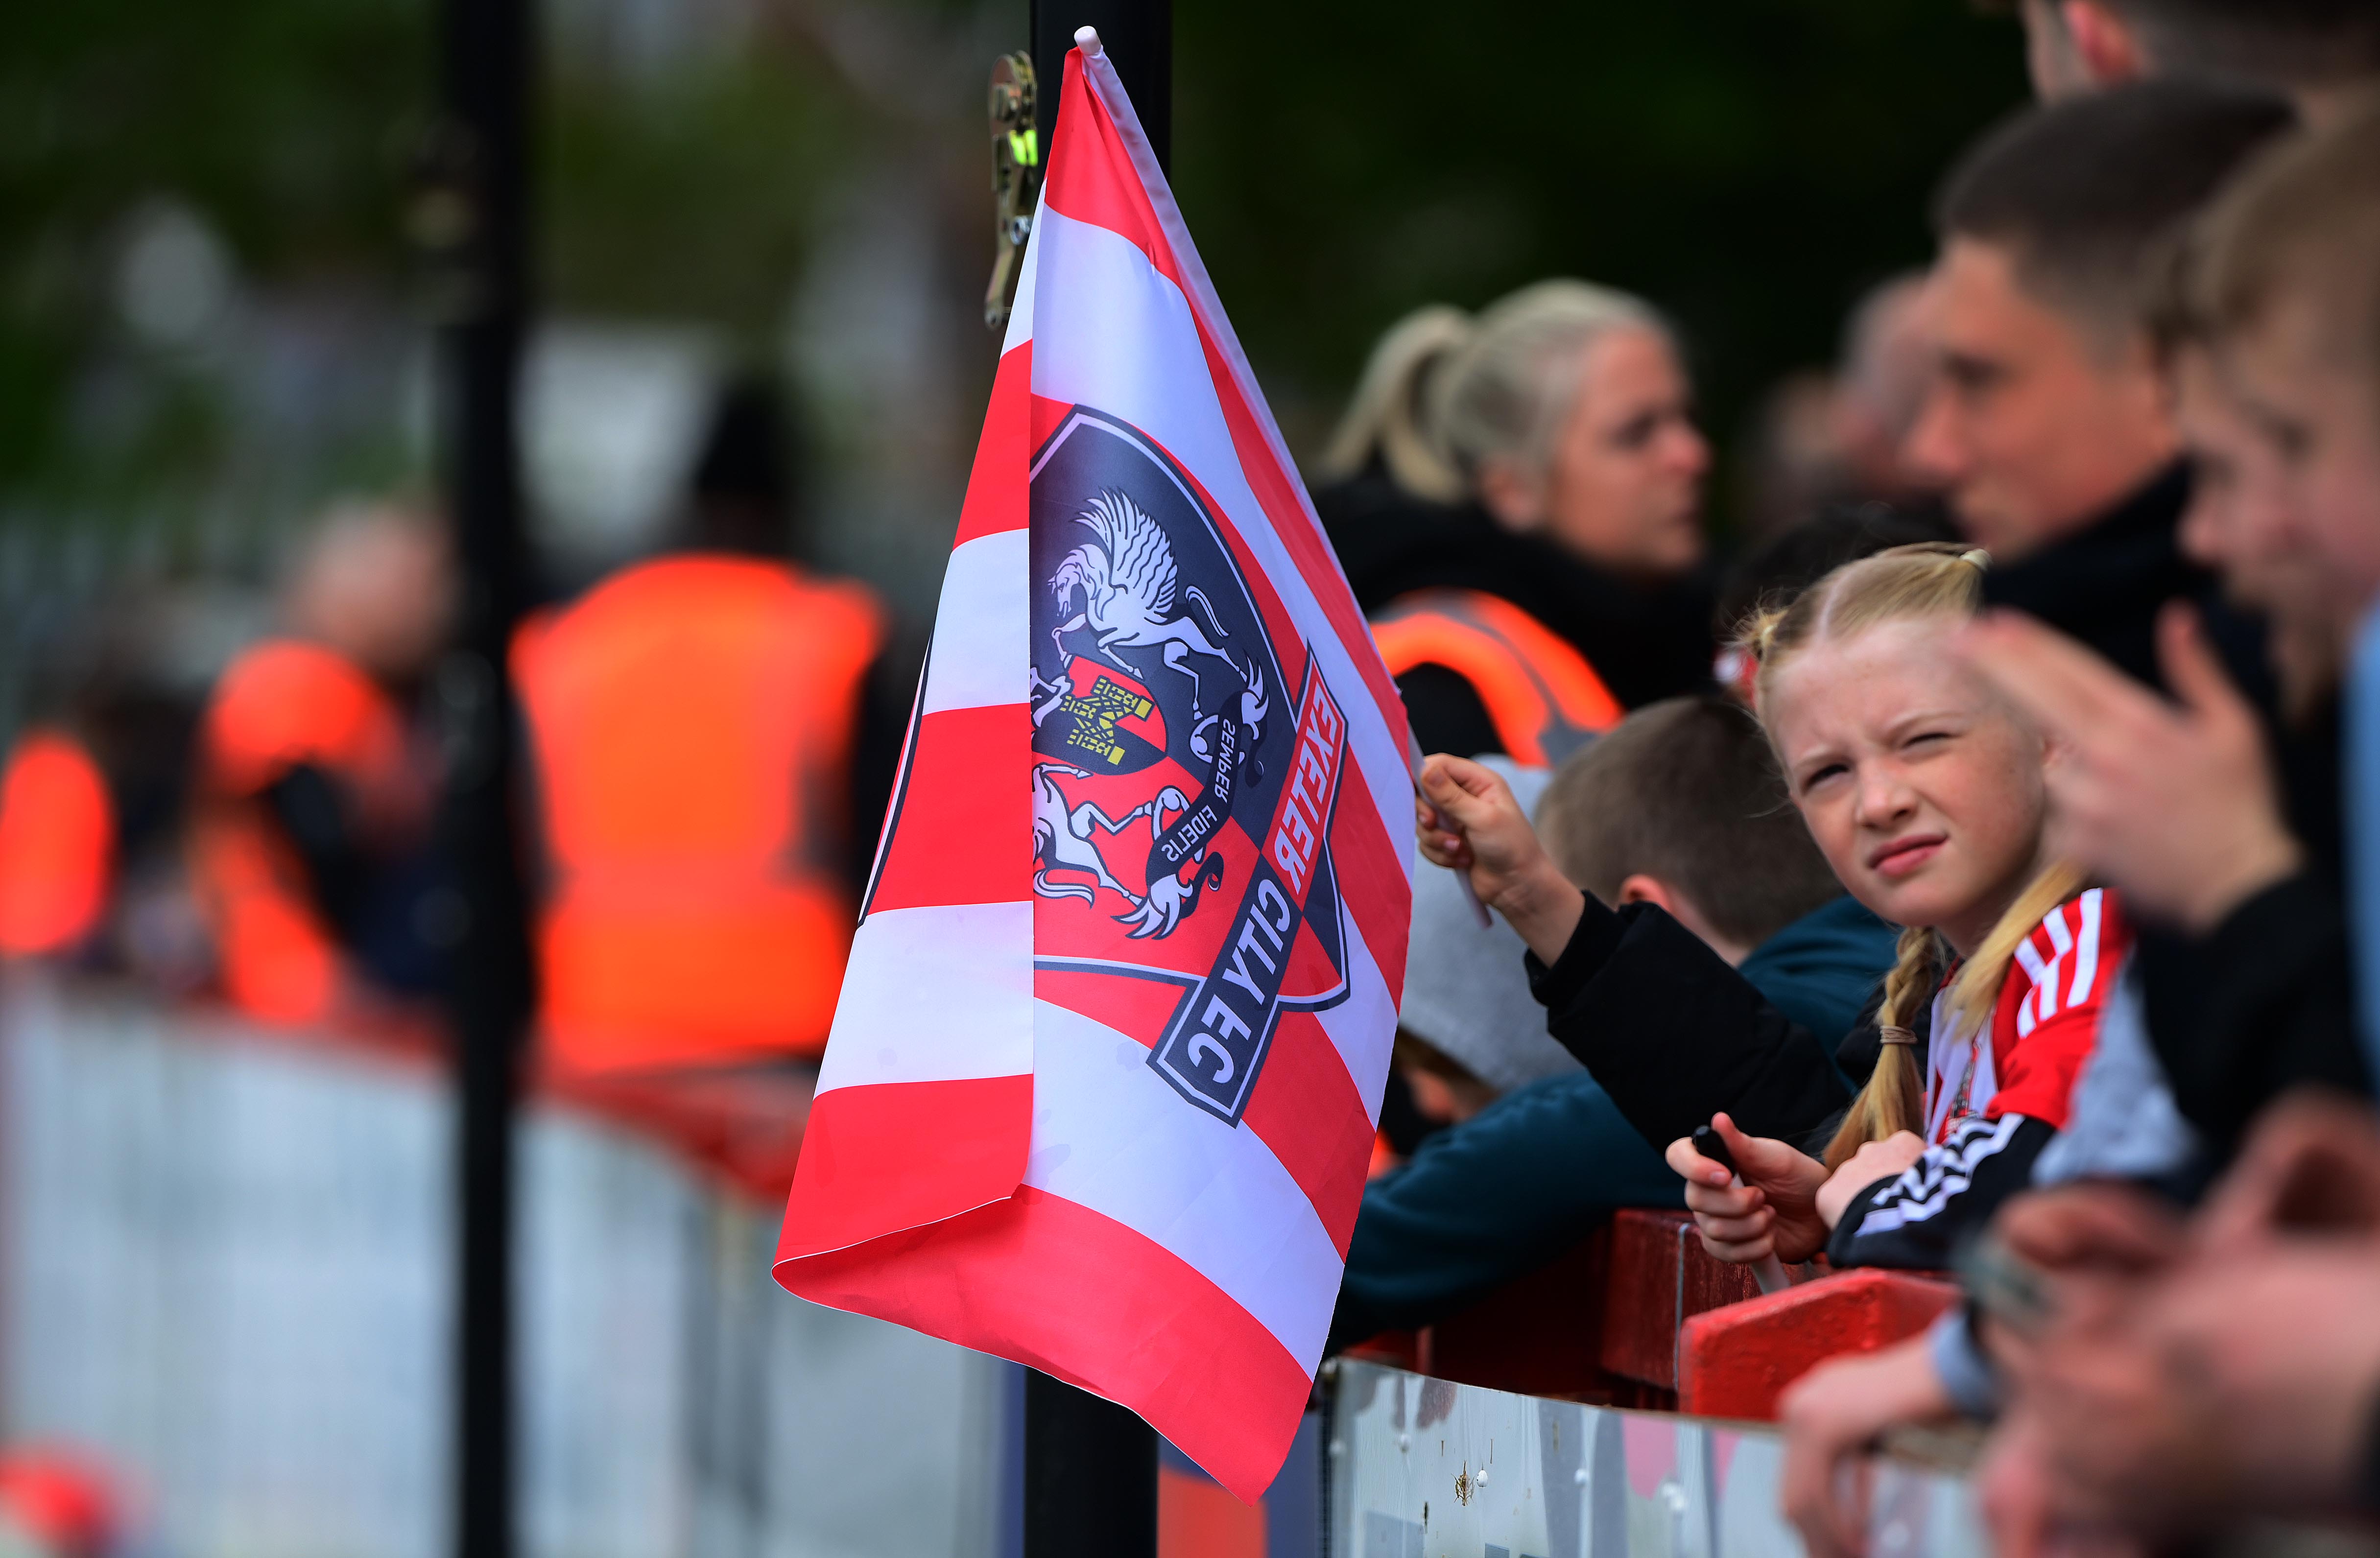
2083,192
2306,220
1687,791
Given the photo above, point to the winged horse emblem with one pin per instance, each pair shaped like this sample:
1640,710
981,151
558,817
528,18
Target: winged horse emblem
1122,585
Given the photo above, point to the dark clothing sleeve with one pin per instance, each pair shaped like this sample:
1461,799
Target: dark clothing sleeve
885,701
317,817
1674,1034
2263,1003
1491,1200
1447,713
1917,1220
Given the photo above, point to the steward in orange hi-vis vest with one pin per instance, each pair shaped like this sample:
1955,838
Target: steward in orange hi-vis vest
283,706
57,845
693,721
1540,694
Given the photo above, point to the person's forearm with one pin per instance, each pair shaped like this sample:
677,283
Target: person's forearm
1544,910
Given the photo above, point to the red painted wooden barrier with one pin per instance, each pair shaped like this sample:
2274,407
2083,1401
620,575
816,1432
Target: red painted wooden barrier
1734,1362
1640,1315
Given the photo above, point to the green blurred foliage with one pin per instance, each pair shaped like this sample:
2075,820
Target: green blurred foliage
1750,165
281,119
693,196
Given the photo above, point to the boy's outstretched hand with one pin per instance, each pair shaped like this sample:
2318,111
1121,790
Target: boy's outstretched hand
1471,821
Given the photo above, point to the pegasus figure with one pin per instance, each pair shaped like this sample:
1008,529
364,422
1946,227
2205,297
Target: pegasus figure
1121,587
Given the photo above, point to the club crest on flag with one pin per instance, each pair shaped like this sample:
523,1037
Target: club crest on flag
1181,804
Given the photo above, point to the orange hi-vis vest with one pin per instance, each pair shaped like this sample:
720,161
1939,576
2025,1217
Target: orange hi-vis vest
280,704
57,844
693,720
1544,699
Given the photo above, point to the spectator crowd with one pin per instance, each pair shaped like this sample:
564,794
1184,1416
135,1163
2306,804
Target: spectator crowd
1988,855
2002,895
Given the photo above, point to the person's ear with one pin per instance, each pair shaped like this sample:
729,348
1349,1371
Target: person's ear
1642,888
2104,42
1514,500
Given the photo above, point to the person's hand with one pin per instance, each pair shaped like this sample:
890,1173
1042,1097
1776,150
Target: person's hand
2173,804
1887,1159
1774,1211
2014,1490
1469,820
2312,1164
1836,1411
2274,1359
2091,1227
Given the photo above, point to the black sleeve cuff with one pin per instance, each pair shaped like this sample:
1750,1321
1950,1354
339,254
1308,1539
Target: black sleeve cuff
1589,950
1842,1245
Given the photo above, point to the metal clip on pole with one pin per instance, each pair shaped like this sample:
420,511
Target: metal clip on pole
1016,178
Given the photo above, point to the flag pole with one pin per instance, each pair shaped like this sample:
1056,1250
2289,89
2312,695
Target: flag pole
471,215
1090,1465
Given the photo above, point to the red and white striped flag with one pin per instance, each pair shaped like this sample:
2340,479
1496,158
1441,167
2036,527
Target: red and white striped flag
1102,1085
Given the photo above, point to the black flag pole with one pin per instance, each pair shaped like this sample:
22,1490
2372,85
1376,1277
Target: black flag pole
470,215
1090,1465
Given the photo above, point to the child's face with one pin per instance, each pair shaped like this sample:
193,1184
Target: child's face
2309,393
1922,788
2244,523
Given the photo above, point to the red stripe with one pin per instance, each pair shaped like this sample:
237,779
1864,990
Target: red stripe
962,835
1091,177
1283,501
1056,1286
1372,883
995,494
1306,1110
1047,416
876,1160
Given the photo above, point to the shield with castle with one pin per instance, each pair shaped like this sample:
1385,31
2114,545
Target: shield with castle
1187,762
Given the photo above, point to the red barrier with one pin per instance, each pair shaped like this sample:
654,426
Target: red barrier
1640,1315
1734,1362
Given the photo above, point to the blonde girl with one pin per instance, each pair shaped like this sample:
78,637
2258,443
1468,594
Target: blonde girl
1925,791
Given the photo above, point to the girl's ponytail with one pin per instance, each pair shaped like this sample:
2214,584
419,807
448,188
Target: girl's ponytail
1390,418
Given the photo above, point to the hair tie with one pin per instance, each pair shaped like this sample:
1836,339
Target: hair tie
1978,556
1897,1036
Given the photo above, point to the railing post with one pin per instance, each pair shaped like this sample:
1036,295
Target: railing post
1090,1465
471,214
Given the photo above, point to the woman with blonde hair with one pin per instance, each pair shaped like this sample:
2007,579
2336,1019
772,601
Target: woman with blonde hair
1515,498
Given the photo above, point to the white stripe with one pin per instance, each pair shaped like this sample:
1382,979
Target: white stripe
1109,1134
1125,344
1363,1028
1020,314
2038,972
2086,958
2059,936
982,625
1950,1167
936,993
